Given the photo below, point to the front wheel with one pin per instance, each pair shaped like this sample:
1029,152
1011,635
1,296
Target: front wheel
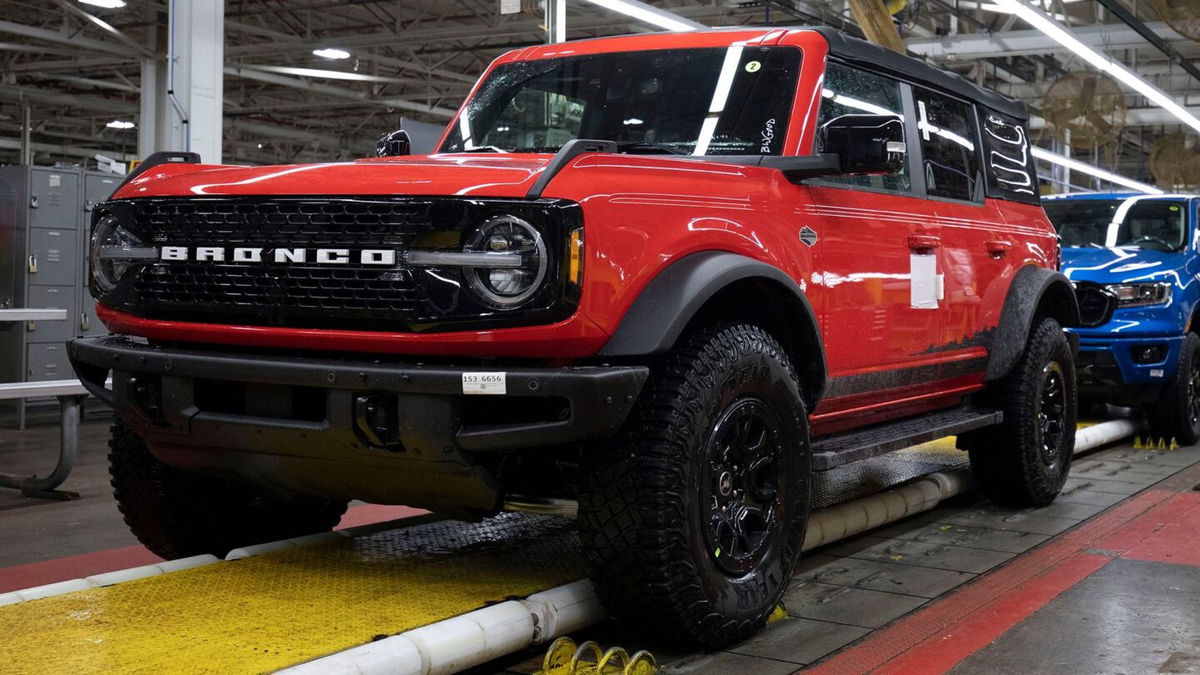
1177,414
177,514
1026,459
693,517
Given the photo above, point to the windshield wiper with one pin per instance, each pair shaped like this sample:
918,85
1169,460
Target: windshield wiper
644,145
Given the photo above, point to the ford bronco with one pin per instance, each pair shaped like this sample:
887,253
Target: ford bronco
660,278
1135,261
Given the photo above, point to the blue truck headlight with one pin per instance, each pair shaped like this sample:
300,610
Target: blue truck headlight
1140,295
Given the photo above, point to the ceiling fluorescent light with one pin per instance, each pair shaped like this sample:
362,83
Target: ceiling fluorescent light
105,4
1102,62
332,53
649,14
119,124
1090,170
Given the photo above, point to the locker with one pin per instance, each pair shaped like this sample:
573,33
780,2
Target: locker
54,198
53,256
48,361
56,297
96,188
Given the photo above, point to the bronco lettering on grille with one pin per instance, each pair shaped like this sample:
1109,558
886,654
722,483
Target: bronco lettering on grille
319,256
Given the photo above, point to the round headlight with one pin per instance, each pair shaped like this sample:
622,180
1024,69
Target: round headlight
507,286
113,250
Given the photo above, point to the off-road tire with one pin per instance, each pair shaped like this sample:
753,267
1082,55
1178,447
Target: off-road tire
1009,461
650,498
177,514
1177,414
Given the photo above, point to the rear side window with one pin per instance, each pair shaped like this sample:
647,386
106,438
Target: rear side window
849,91
950,160
1011,171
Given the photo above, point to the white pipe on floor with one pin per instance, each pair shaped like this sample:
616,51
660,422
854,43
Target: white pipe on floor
477,637
1104,433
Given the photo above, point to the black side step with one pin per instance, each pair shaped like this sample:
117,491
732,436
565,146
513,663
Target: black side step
830,452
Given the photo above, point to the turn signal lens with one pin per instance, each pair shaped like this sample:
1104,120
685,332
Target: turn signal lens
575,257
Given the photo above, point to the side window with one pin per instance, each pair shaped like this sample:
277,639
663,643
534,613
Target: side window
948,146
1011,171
849,91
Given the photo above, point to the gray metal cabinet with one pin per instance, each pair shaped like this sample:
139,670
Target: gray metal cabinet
54,197
53,256
53,297
42,226
48,361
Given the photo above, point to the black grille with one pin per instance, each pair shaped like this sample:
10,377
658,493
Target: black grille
297,291
299,222
1095,304
348,296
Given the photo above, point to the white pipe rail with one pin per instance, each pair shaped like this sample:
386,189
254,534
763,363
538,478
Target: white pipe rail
486,634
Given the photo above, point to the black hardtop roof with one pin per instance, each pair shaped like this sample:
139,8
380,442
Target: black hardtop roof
872,56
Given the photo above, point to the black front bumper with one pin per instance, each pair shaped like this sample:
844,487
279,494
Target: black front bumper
376,430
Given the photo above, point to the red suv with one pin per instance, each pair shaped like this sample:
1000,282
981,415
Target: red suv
659,278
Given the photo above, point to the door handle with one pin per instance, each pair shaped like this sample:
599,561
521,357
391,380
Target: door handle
924,242
998,247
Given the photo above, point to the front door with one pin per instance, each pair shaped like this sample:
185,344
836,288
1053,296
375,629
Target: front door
879,264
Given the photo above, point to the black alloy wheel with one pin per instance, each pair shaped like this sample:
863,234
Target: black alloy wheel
1052,409
743,493
693,516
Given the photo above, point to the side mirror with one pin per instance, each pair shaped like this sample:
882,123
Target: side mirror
865,143
394,144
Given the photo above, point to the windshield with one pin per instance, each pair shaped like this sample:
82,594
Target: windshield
710,101
1137,222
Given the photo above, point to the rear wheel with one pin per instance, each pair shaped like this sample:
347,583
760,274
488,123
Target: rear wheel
692,519
1026,459
1177,414
177,514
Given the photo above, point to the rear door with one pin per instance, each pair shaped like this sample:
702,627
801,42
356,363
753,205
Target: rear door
976,247
875,233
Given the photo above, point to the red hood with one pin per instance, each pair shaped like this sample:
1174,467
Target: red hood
456,174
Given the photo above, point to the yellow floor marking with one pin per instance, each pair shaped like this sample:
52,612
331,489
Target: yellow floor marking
270,611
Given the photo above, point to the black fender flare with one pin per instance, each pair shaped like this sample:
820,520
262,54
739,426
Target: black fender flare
1034,291
677,294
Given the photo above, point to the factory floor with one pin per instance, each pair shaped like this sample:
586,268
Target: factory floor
1107,579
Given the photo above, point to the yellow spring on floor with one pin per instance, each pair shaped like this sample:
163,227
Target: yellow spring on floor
564,657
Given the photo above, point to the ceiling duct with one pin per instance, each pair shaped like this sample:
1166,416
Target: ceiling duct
874,17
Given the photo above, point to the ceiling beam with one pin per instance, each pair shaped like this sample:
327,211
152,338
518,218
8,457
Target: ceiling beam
1024,42
340,92
76,41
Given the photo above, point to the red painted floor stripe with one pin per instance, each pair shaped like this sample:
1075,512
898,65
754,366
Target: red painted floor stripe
946,613
74,567
29,575
942,651
1173,536
376,513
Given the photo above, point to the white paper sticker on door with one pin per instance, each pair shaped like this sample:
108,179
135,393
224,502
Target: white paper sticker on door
923,276
55,180
484,383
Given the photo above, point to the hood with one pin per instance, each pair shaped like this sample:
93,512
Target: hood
1117,265
452,174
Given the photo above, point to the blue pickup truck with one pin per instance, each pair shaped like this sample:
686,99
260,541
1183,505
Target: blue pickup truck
1135,261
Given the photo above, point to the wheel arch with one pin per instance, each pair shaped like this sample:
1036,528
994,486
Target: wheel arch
1035,293
715,286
